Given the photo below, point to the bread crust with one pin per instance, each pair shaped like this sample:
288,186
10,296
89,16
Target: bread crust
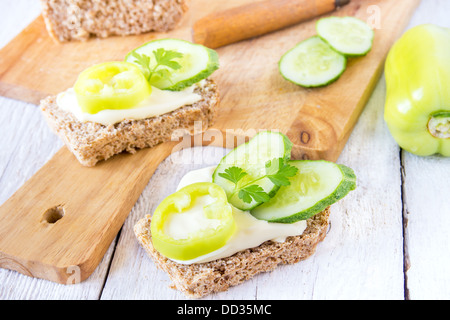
68,20
199,280
92,142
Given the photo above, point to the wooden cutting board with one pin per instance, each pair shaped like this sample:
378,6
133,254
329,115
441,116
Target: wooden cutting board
63,219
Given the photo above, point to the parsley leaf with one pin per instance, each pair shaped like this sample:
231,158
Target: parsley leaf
143,61
163,58
253,191
233,174
279,172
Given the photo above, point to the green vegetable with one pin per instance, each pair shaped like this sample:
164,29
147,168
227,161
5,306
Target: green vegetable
163,58
347,35
317,185
172,64
312,63
277,171
321,60
207,238
417,108
111,85
253,172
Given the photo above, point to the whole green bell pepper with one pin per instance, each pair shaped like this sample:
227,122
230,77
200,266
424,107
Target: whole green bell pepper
417,109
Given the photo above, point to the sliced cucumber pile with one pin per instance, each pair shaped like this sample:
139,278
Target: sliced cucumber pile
189,63
252,158
312,63
347,35
317,185
321,59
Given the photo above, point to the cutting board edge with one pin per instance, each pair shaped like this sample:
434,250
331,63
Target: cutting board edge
68,274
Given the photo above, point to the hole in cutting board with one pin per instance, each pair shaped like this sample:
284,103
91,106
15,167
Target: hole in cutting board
52,215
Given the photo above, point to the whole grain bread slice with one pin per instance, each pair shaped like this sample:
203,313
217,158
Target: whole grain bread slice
92,142
198,280
68,20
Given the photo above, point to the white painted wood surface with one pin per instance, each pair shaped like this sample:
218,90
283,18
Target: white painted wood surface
397,218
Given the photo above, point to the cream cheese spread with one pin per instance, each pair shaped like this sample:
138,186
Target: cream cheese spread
158,102
250,232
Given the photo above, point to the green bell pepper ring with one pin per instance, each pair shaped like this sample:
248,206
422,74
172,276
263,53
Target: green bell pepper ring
417,109
111,85
201,217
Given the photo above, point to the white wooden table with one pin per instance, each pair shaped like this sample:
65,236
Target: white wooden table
389,239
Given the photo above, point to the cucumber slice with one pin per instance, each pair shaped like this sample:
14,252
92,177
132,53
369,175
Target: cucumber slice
317,185
347,35
252,158
312,63
197,63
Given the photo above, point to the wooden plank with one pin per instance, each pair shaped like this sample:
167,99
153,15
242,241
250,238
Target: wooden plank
427,217
325,115
426,181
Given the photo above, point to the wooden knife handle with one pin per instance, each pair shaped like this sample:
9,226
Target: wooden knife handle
254,19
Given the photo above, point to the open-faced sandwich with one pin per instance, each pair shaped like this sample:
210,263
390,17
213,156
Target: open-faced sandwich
68,20
255,210
161,87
